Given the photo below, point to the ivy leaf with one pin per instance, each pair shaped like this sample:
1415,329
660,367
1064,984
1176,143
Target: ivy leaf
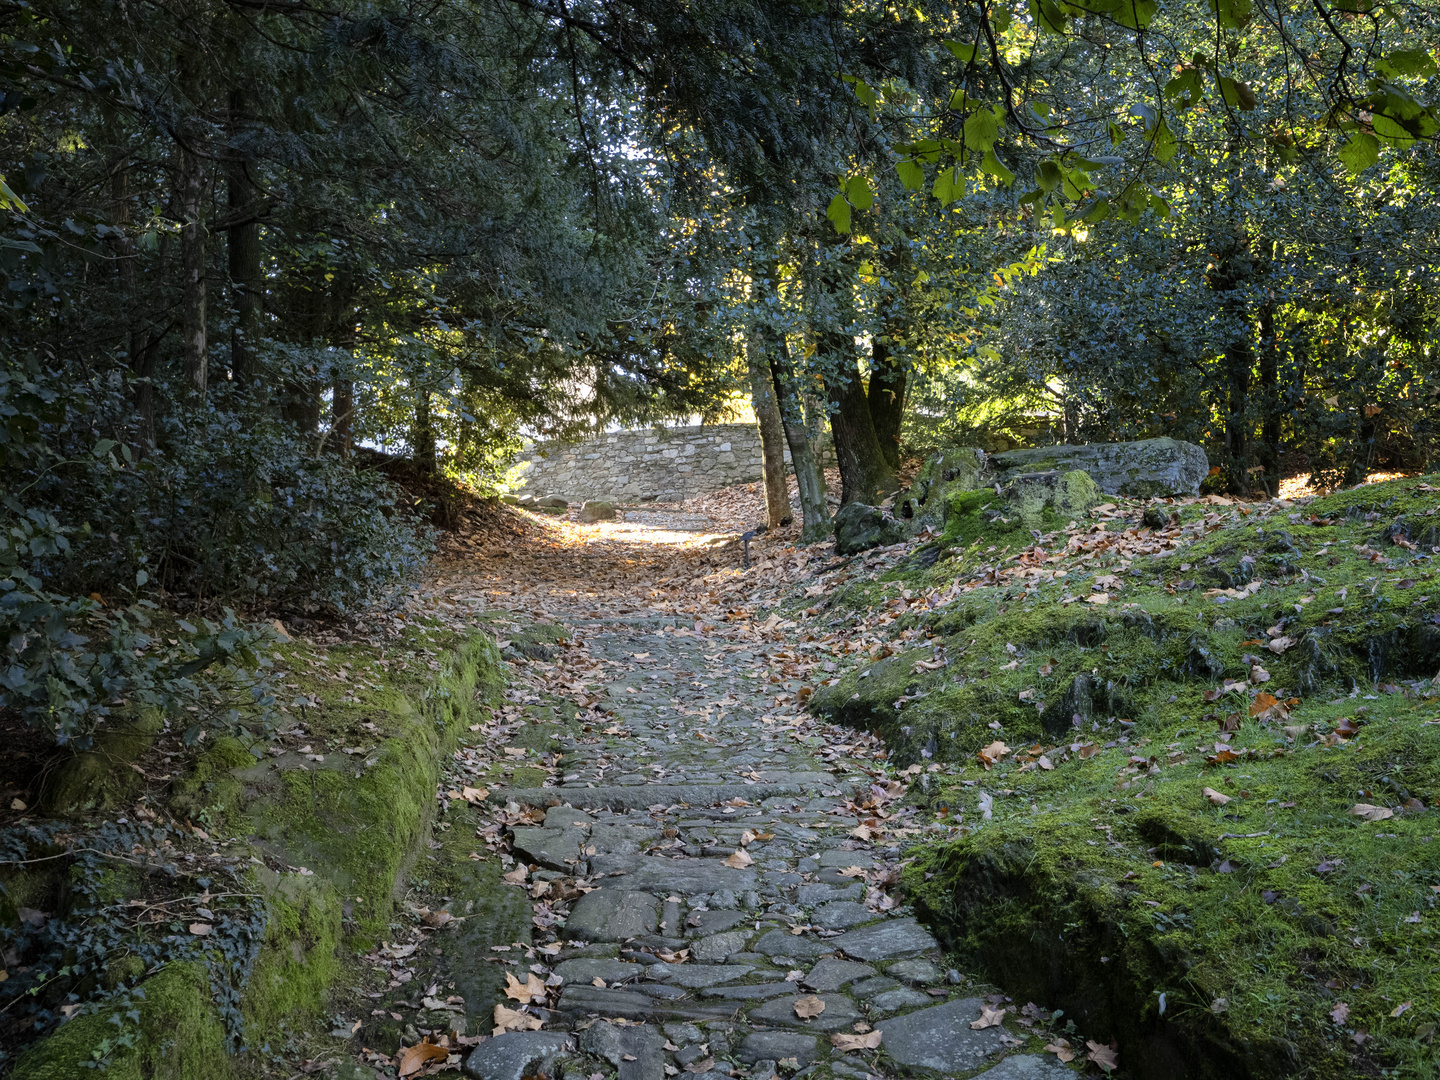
1360,152
839,214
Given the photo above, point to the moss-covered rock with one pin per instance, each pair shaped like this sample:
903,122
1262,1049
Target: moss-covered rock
175,1033
1139,469
100,779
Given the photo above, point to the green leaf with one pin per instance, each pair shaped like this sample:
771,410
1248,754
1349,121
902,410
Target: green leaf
839,214
1162,140
1186,88
1391,133
1406,62
912,173
1048,16
964,53
1237,94
1360,152
1232,14
1048,175
857,190
991,164
981,130
9,200
1000,19
141,577
949,186
1099,212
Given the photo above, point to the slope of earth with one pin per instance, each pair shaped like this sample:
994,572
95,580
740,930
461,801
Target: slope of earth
1194,751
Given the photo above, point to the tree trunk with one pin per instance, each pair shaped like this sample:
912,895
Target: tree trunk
247,282
1268,452
865,475
772,436
189,211
424,440
809,477
886,397
140,357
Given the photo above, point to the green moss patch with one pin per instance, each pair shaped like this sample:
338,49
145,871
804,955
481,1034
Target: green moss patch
1285,657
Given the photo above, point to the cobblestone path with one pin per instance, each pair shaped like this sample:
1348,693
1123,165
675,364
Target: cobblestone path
735,924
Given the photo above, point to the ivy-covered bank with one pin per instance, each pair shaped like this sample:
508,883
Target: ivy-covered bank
188,910
1193,752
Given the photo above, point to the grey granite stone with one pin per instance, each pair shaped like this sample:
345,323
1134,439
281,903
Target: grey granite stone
718,946
840,1012
612,915
810,895
554,849
784,943
517,1054
758,992
917,972
637,1052
832,974
843,914
847,858
940,1038
894,938
902,997
712,922
778,1046
612,971
1027,1067
695,976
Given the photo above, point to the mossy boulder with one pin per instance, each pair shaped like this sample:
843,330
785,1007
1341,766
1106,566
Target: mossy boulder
1067,495
859,527
925,505
100,778
1140,469
177,1033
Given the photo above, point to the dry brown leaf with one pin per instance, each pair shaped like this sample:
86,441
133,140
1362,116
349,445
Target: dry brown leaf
846,1043
1061,1049
1104,1056
532,989
200,929
739,860
1219,798
993,753
704,1065
852,871
989,1017
809,1007
414,1058
514,1020
1367,812
517,876
474,794
1098,598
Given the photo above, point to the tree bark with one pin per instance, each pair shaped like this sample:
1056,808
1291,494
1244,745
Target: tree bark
865,475
247,282
423,444
1268,452
809,478
189,211
772,436
886,397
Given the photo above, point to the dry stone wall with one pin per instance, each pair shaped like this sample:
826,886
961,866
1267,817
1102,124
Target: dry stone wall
652,464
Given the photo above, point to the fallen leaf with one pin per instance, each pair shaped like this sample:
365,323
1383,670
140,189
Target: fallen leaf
1061,1049
1280,644
414,1058
1263,702
989,1017
1219,798
1400,1009
1104,1056
1367,812
704,1065
809,1007
532,989
474,794
846,1043
1340,1013
200,929
1098,598
514,1020
993,753
517,876
739,860
17,804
